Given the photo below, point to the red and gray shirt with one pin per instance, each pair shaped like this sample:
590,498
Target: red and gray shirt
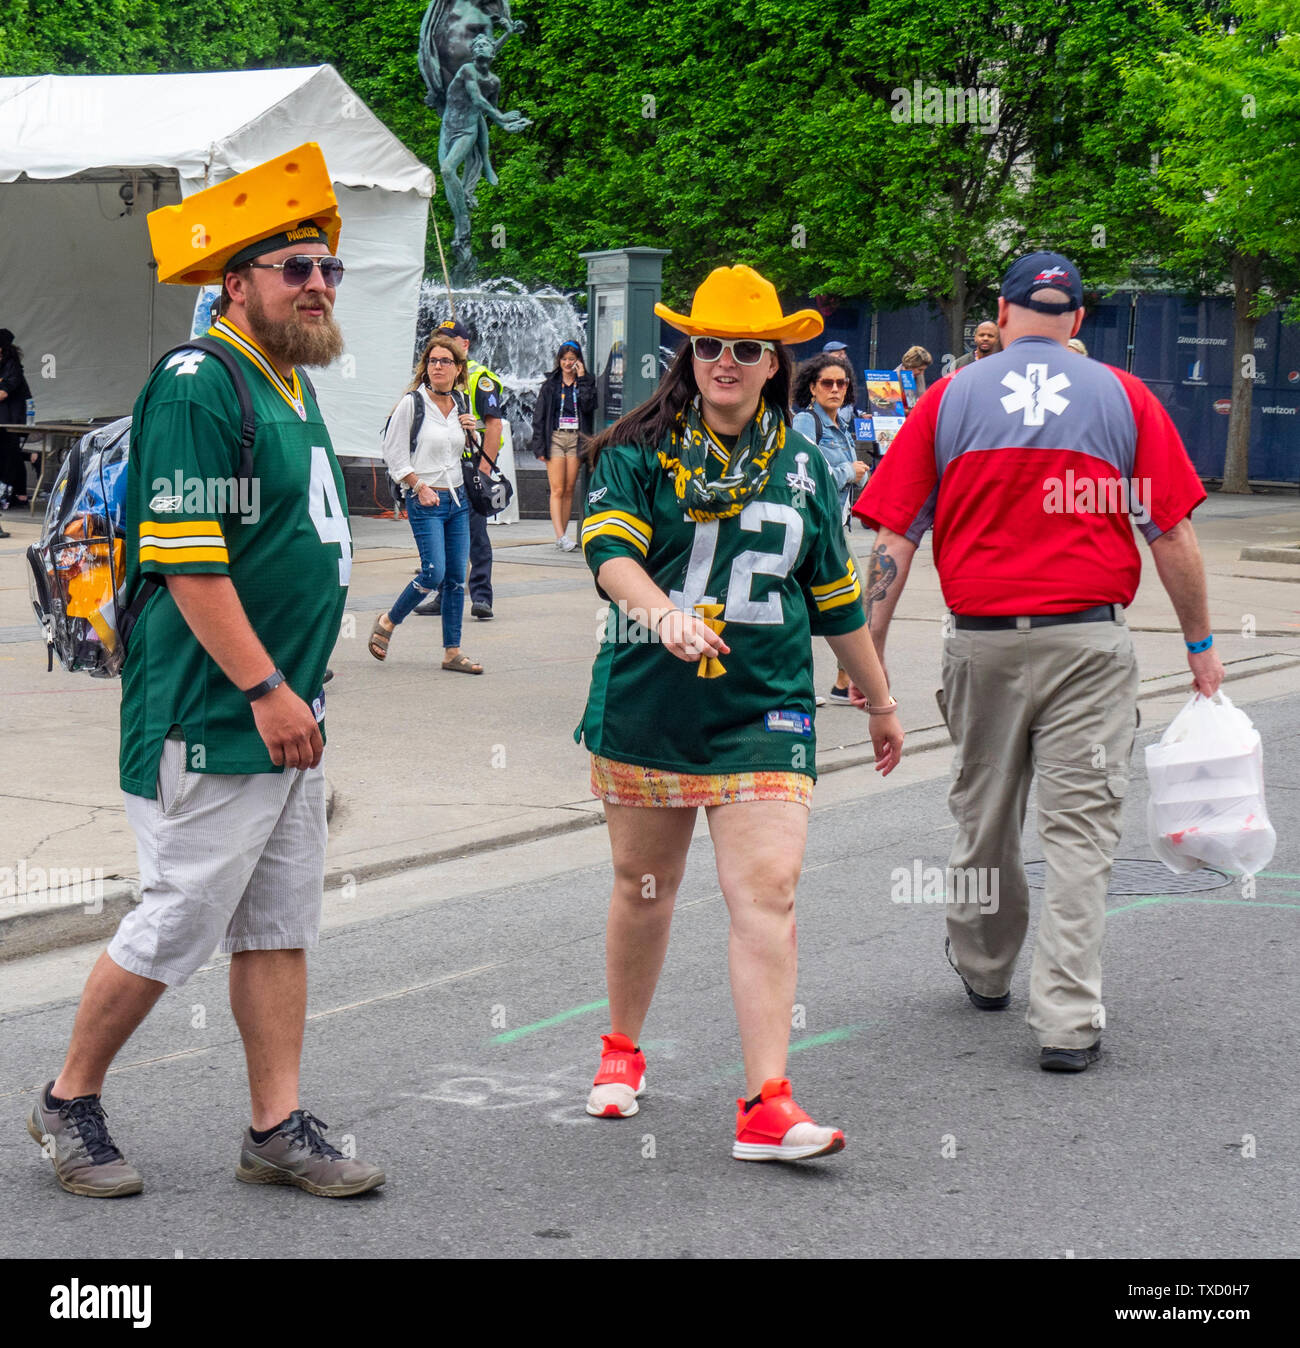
1031,466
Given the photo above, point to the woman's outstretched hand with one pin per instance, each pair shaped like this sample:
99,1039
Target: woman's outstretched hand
689,637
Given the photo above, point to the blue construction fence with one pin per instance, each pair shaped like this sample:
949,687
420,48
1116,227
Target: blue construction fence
1181,349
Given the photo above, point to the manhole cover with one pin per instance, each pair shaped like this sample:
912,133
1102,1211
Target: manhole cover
1130,876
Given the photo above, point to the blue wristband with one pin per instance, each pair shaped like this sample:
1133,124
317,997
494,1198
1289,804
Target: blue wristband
1196,647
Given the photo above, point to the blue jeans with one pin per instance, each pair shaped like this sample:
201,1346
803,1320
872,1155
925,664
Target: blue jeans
442,537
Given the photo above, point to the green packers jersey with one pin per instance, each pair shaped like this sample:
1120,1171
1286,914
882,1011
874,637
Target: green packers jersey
281,536
768,579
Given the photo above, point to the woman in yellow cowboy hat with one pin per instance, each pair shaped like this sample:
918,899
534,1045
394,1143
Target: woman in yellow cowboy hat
715,532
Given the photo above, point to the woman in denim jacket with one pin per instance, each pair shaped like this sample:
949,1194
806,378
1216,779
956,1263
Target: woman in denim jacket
823,407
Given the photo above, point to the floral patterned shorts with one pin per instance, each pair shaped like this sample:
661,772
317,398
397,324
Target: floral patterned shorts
631,784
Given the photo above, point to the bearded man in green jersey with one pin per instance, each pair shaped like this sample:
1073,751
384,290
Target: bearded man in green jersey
222,700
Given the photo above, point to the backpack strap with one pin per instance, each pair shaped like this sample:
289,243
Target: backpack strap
463,408
417,418
247,422
247,433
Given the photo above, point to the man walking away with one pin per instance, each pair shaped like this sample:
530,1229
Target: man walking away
1032,468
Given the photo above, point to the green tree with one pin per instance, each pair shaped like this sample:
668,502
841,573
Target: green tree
1228,101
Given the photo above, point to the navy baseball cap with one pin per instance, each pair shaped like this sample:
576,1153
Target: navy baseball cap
456,328
1039,271
831,347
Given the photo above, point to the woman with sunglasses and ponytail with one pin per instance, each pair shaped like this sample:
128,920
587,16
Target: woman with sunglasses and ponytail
715,532
823,399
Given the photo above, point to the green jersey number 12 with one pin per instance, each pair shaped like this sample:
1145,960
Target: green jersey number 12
741,606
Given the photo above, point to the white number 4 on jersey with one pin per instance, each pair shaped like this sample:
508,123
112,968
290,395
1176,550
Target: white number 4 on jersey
326,511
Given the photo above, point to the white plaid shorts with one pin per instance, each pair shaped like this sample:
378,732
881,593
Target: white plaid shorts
231,861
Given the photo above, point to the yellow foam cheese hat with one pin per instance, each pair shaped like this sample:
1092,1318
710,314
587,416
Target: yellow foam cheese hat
193,242
738,302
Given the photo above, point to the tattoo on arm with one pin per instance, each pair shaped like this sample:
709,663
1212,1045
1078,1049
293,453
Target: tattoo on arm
881,574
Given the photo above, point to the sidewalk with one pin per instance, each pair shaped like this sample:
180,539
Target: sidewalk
425,765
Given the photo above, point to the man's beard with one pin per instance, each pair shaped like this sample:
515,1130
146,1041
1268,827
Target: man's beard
292,341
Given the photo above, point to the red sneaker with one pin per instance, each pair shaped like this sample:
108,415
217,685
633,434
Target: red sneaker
776,1129
620,1080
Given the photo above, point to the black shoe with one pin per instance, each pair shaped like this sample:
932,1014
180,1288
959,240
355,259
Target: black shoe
1069,1059
481,611
329,674
840,695
430,608
4,533
977,999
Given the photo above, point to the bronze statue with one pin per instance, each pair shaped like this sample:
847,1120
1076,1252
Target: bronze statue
457,47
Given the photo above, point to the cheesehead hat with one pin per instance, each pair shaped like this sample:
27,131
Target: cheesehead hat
291,196
738,302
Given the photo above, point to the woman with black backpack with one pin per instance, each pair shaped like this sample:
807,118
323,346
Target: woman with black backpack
14,393
428,465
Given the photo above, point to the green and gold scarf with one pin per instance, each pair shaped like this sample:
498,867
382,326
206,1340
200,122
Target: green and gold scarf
684,455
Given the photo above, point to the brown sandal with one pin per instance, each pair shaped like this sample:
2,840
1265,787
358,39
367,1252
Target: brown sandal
462,664
379,639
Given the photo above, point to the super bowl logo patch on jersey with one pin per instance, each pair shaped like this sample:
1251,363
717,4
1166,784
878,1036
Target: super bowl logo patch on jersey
788,722
799,479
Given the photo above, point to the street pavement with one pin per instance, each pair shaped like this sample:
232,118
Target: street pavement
455,1042
456,996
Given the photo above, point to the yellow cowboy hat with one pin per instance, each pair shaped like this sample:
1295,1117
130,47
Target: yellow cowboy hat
289,196
738,302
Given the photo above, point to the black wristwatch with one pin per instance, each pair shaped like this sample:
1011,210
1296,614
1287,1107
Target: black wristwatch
261,689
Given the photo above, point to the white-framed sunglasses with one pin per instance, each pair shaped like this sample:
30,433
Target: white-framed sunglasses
744,350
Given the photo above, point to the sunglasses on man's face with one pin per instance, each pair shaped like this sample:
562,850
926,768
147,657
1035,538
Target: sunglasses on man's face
745,351
297,270
832,383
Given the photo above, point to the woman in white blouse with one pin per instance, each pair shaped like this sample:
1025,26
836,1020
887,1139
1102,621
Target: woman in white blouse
435,497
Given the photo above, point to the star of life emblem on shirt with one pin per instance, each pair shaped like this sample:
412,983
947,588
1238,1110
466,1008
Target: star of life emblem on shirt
1035,393
799,479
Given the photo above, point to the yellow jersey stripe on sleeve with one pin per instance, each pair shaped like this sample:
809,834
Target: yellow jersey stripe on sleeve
615,529
847,596
179,528
178,556
850,577
617,522
196,540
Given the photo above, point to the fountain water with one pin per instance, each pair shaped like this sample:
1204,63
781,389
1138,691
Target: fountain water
517,333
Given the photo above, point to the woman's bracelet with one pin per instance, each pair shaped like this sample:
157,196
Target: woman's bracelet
892,705
662,616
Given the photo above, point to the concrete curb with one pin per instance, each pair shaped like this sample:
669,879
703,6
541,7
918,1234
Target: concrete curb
1287,553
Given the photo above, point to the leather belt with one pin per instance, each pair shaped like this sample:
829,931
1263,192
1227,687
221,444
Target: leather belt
1102,613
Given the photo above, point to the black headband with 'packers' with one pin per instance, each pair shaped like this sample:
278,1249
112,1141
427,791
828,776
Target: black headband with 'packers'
307,232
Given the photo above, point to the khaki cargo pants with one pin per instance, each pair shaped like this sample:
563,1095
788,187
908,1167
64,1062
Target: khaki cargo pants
1060,702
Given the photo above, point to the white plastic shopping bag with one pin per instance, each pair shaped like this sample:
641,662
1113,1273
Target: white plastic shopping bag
1206,806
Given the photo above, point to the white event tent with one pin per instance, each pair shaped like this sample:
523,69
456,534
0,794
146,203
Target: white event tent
84,158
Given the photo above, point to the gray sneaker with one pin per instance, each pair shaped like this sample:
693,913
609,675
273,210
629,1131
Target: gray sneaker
298,1154
86,1160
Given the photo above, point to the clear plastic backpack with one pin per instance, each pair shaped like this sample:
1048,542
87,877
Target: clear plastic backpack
77,571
